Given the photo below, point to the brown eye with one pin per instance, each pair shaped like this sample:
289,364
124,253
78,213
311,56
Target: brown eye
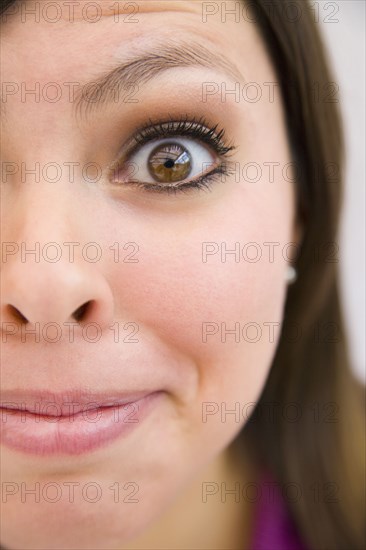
170,163
166,164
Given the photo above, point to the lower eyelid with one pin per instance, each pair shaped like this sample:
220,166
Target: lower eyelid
205,182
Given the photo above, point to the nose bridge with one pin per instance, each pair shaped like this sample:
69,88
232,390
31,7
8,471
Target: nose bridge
38,212
50,271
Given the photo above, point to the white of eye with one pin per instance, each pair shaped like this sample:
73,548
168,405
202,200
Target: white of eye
202,159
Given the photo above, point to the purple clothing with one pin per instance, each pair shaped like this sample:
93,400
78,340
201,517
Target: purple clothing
273,527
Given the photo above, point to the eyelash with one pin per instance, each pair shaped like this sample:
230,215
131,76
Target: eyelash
198,129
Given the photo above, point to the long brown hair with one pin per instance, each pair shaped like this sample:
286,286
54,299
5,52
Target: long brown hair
315,438
323,450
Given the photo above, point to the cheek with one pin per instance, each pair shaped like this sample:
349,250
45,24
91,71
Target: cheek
208,287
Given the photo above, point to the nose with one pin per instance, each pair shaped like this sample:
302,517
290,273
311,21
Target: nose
37,289
34,292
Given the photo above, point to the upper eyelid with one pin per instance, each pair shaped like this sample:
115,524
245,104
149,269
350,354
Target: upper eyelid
186,127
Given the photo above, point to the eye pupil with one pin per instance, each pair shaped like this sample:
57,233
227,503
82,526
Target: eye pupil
170,163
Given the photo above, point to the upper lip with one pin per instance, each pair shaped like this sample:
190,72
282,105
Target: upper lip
66,403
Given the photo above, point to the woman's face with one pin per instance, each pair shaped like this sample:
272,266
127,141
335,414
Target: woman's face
184,313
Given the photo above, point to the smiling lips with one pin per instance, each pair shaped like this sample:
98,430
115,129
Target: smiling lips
71,423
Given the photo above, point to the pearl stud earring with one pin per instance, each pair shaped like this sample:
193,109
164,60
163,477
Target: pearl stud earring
291,274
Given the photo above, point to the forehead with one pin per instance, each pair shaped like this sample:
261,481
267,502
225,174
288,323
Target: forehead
68,39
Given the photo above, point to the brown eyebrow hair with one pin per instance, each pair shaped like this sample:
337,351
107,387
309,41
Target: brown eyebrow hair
146,65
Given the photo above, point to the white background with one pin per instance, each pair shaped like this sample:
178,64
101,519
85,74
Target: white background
346,47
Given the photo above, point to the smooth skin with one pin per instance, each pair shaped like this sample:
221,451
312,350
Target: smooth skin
170,292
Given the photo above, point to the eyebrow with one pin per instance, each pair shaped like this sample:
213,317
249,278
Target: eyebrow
138,70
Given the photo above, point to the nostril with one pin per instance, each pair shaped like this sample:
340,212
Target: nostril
81,312
15,313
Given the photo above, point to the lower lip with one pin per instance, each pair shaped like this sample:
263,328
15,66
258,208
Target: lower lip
72,435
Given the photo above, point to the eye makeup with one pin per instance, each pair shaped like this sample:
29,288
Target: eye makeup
166,152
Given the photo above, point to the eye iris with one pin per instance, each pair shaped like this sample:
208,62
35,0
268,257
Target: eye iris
170,163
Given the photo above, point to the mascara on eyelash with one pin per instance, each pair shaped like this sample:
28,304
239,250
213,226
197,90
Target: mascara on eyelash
184,127
197,128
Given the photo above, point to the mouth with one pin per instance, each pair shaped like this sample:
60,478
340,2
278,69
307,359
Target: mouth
71,423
